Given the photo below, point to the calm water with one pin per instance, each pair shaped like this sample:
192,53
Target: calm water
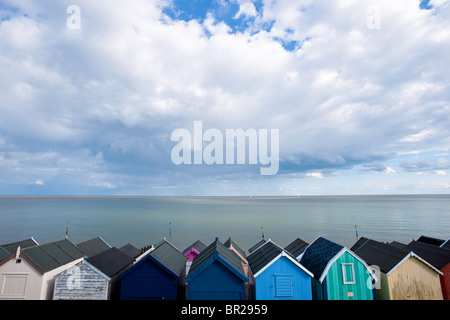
146,220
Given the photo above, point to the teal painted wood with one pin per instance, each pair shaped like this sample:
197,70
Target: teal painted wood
336,289
283,280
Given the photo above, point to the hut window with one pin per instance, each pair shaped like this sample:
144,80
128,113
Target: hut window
348,273
283,285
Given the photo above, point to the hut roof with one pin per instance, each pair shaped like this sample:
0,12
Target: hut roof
266,254
130,250
197,245
257,245
94,246
51,255
318,255
383,255
12,247
170,257
216,251
296,247
111,262
230,243
439,257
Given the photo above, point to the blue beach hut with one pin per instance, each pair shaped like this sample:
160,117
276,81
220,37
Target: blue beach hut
278,275
159,275
216,274
339,274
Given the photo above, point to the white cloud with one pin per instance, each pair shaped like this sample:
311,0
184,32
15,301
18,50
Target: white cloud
343,97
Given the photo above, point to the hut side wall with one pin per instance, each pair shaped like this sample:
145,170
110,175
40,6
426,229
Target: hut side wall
413,280
265,283
338,290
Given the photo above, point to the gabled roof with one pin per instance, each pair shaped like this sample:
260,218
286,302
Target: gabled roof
321,254
4,254
318,254
296,247
12,247
197,245
437,256
230,243
267,254
217,251
257,245
111,262
130,250
170,257
446,244
385,256
431,240
94,246
51,255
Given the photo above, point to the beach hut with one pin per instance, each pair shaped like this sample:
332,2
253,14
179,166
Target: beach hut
28,273
94,246
233,246
112,262
159,275
296,248
192,251
278,275
82,281
403,274
339,274
216,274
439,258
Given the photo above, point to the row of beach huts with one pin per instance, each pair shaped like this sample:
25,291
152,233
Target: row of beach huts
320,270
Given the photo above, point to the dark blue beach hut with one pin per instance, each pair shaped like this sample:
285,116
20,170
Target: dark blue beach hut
216,274
157,276
278,275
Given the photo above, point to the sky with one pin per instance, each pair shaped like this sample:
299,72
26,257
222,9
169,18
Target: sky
91,92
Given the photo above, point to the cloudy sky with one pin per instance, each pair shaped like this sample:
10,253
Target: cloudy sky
90,95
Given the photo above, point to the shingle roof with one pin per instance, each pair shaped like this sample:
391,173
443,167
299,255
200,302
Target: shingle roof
53,254
170,257
446,244
12,247
111,262
94,246
318,254
197,245
296,247
263,255
436,256
4,254
130,250
217,248
381,254
256,246
231,243
431,240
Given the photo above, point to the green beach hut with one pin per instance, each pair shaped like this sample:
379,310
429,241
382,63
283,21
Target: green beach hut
339,274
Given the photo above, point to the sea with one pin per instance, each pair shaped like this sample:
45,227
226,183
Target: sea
143,221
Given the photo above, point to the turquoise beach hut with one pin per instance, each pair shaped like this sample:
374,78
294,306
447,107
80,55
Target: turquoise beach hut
339,274
278,275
